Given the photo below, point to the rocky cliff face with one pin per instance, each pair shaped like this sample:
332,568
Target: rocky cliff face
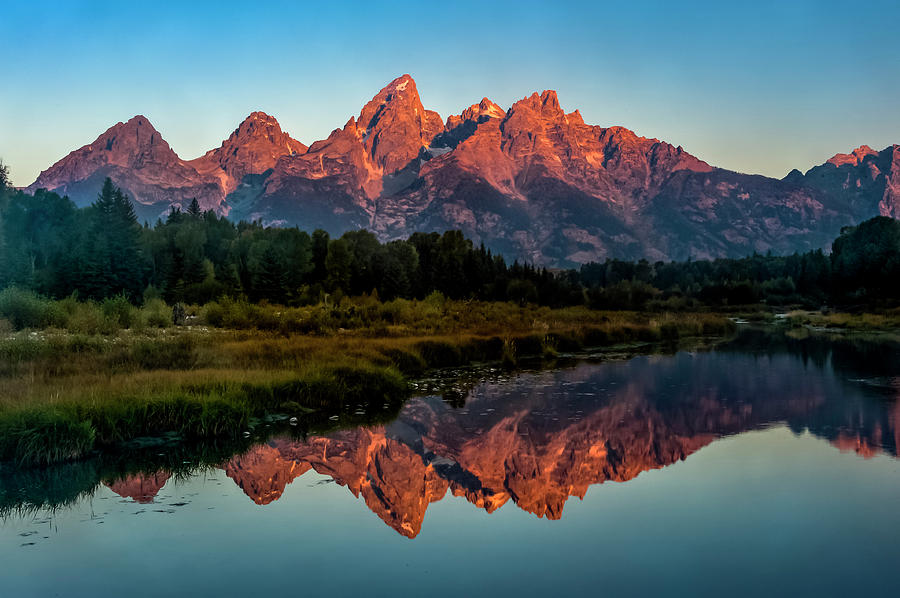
533,182
336,183
139,160
859,180
252,149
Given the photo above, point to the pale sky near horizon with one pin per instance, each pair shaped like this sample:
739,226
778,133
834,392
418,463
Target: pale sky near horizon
758,87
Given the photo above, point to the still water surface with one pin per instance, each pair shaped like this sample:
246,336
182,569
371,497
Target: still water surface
768,465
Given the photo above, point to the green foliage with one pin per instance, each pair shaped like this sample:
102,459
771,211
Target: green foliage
195,257
866,261
119,310
42,437
156,314
25,309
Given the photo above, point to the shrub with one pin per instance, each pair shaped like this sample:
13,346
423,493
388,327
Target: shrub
88,318
25,309
156,313
119,310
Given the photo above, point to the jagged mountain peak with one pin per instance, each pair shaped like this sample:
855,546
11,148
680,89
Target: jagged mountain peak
396,125
854,158
252,148
546,104
483,109
137,158
575,118
261,125
132,144
400,94
259,115
401,83
134,134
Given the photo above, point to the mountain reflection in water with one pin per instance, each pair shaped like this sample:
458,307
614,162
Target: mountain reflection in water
540,438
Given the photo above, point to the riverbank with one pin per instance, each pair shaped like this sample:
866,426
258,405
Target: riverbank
887,321
65,395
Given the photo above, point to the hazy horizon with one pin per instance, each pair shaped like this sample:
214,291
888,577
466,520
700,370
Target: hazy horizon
762,88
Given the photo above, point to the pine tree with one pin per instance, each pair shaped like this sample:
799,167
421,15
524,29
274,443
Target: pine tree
269,276
194,209
112,262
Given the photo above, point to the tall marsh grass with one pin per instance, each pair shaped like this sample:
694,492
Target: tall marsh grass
100,374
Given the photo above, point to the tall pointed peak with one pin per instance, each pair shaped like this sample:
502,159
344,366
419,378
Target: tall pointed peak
399,94
139,120
575,117
491,109
139,123
546,103
259,128
252,148
394,126
549,99
259,117
261,125
483,110
125,141
401,83
487,103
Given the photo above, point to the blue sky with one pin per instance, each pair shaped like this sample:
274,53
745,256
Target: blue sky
758,87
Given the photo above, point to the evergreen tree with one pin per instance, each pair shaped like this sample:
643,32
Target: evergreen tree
320,240
113,262
339,265
194,209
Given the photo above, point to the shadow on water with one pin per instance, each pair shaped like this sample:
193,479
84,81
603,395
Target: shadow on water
533,438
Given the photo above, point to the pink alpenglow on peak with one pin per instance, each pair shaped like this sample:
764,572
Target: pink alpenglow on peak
534,182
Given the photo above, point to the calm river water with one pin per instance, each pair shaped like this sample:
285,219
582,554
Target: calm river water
767,465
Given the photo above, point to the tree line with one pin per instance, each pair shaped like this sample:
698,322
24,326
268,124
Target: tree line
56,249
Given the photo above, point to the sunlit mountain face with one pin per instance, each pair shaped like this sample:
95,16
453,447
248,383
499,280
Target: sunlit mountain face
531,181
537,439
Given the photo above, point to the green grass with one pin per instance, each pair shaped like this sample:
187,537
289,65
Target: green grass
66,395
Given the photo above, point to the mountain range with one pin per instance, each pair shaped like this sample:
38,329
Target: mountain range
533,182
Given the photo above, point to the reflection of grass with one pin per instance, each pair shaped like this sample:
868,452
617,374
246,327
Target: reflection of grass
29,491
65,395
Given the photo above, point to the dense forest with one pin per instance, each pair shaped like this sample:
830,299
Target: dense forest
55,249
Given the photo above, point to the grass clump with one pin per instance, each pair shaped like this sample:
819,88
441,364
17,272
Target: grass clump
179,353
42,437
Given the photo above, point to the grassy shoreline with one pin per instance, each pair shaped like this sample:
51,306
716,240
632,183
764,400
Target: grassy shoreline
68,395
883,322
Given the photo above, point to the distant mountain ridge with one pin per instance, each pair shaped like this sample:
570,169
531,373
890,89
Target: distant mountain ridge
533,182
